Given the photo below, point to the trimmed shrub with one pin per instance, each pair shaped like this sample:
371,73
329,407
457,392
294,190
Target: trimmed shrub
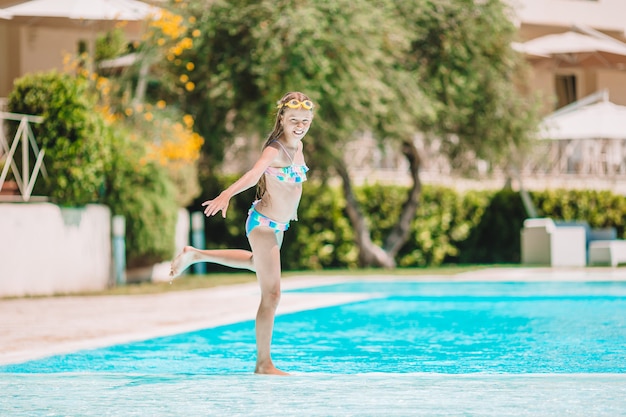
143,193
71,134
495,238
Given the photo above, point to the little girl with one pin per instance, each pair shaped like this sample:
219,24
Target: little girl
278,173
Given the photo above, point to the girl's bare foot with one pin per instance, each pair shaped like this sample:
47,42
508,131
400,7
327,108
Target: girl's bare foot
183,261
269,370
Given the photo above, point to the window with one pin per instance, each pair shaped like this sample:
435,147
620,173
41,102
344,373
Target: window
565,90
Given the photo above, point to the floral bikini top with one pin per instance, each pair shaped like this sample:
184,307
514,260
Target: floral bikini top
292,173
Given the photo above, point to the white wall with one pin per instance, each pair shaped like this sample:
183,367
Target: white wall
615,81
45,249
43,48
33,45
605,15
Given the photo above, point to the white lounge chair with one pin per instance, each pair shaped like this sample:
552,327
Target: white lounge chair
545,243
607,252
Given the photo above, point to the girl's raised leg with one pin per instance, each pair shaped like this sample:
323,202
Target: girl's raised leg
235,258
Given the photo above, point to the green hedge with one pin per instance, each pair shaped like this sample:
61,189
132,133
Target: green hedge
450,227
599,208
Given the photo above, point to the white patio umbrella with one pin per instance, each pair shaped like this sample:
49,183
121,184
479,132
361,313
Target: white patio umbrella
576,48
602,120
81,10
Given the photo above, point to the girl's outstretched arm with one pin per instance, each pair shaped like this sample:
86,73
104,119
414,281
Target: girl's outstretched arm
247,180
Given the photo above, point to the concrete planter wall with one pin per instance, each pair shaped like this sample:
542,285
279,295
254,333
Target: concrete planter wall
46,249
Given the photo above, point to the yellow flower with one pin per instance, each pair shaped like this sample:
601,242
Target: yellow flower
192,19
188,120
186,43
196,33
190,86
184,78
128,112
190,66
161,42
148,116
101,82
177,50
161,104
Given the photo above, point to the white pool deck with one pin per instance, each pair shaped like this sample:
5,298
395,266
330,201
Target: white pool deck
32,328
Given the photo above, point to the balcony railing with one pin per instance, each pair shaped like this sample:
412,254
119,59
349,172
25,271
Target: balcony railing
23,141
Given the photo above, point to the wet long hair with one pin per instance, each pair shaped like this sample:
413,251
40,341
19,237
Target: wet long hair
277,131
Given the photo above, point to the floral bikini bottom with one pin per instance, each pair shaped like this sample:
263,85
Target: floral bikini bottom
256,219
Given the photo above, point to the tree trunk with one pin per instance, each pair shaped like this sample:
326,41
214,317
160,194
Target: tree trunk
371,254
400,233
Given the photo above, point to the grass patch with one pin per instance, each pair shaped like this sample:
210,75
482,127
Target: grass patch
184,283
211,280
194,282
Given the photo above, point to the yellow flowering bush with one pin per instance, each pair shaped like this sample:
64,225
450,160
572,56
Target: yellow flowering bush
169,143
171,35
166,134
176,147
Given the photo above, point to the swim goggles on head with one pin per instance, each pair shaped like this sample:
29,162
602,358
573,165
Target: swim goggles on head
295,104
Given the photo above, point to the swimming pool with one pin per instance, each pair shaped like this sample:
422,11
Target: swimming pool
412,348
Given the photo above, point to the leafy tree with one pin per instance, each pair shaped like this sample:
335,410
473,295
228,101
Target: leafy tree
462,53
388,66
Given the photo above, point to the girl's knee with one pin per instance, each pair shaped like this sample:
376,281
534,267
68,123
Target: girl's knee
271,295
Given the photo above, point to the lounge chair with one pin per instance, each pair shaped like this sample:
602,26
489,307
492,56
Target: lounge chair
545,243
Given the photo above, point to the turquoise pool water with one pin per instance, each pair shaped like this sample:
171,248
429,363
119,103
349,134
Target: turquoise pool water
547,348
